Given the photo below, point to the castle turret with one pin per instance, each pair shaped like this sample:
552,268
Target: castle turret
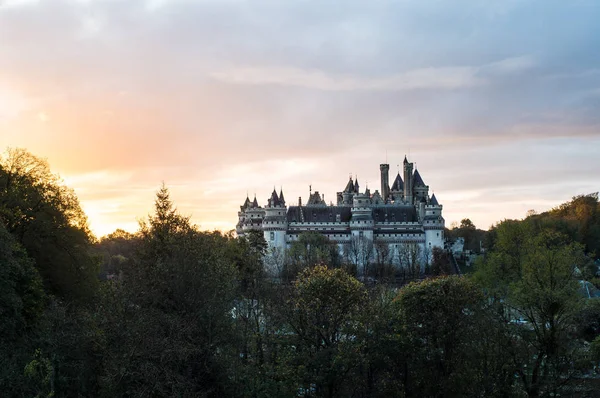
420,190
397,190
347,194
361,229
408,181
433,224
274,224
422,204
385,181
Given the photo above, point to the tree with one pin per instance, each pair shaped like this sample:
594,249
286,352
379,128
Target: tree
44,216
310,249
528,276
171,322
410,255
21,305
440,264
546,298
117,251
447,352
360,253
323,314
383,260
465,223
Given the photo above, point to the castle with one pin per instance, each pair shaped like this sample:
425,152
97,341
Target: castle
398,218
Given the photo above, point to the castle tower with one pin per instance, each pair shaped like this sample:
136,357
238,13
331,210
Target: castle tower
385,181
420,189
433,224
274,224
361,230
408,181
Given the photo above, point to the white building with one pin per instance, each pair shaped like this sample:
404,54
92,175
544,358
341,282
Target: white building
401,217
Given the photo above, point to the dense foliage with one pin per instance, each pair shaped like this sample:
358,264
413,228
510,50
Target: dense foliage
174,311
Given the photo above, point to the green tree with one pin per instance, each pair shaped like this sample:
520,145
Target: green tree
117,251
546,298
171,323
44,216
310,249
323,315
21,306
447,353
529,278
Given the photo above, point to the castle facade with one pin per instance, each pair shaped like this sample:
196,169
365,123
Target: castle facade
402,221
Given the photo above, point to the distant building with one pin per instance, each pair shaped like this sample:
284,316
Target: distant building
403,216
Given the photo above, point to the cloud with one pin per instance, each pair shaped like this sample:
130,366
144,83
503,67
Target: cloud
426,78
512,65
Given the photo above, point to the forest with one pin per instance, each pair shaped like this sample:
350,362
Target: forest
174,311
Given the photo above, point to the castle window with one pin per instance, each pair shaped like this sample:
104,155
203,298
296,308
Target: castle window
272,235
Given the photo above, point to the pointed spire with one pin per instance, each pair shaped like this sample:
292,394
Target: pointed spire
405,160
281,199
349,186
356,188
274,200
418,181
398,183
433,201
246,202
254,202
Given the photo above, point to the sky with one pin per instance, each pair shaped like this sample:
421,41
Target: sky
497,102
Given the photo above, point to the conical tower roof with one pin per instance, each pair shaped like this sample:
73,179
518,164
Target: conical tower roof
281,198
398,184
349,186
274,199
433,201
246,203
418,181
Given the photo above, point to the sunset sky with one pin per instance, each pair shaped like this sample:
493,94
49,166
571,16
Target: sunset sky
497,102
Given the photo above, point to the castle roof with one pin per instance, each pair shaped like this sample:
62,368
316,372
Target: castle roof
433,201
398,184
318,214
274,199
281,199
376,198
356,185
246,203
254,202
315,199
349,186
418,181
394,214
